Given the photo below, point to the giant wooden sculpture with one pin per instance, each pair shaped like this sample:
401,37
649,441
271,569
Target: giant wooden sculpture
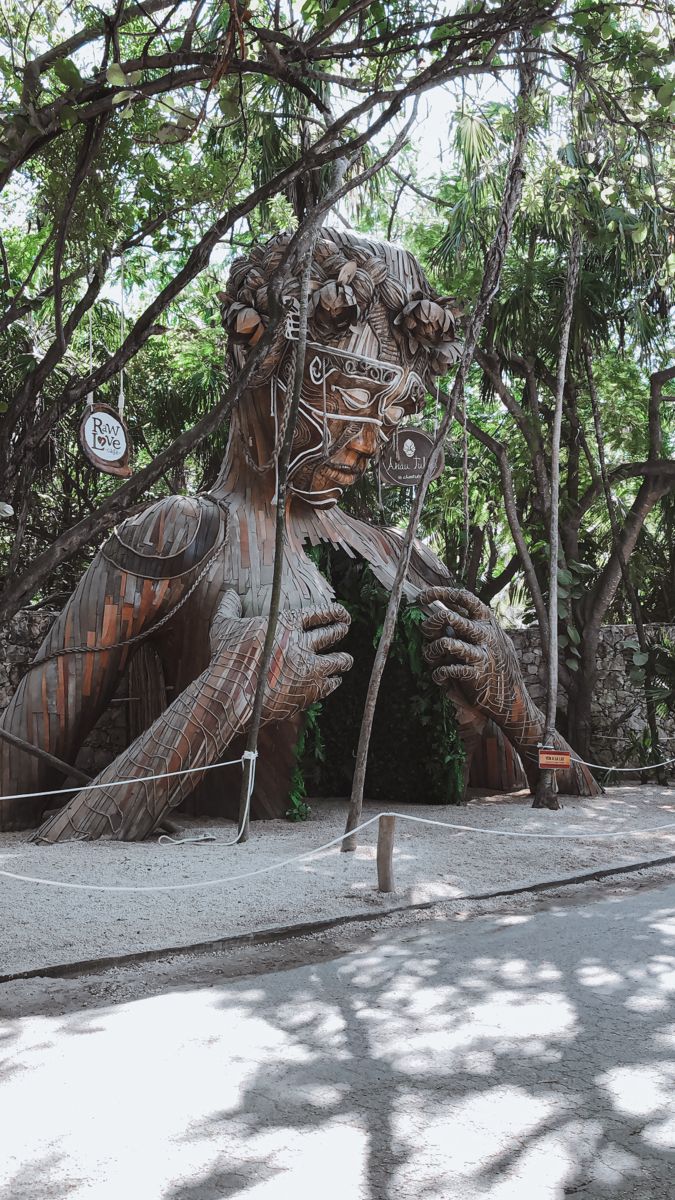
191,577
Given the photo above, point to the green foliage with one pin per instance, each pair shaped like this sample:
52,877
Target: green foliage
415,750
655,667
309,755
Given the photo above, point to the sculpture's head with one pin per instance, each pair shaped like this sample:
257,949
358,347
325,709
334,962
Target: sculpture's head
377,336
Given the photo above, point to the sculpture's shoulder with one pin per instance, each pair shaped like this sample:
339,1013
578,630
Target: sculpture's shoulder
426,568
171,537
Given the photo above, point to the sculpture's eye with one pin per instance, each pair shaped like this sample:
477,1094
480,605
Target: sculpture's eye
355,399
393,414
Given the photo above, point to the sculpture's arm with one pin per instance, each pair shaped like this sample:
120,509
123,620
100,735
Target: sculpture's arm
469,651
196,729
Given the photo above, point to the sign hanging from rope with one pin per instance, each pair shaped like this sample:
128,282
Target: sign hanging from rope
104,436
405,459
105,440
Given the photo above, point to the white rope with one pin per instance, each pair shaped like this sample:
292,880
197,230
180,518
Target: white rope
211,837
601,766
88,787
285,862
120,399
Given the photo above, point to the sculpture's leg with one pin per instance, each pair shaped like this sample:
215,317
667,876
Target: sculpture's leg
66,688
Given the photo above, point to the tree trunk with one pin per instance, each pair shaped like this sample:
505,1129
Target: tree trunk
582,689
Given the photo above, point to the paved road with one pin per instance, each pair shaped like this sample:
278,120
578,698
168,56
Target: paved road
528,1054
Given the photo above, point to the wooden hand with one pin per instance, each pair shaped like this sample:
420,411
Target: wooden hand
300,674
476,662
469,650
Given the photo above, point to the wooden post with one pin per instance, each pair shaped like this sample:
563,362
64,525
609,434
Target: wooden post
385,854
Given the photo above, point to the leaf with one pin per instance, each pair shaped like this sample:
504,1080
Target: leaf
564,576
575,637
229,106
440,34
120,97
170,133
572,663
639,234
640,659
67,72
116,76
68,116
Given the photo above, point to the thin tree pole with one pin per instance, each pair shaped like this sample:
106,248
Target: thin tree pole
309,231
631,591
279,545
491,276
545,795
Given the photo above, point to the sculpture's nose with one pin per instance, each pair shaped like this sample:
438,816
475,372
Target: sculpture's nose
365,441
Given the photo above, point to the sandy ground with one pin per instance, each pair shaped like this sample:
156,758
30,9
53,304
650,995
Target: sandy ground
41,926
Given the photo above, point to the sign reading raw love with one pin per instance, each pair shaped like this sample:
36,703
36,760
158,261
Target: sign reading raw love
404,460
554,759
105,440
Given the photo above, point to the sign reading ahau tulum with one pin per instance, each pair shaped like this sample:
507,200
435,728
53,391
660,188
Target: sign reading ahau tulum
554,759
105,440
404,460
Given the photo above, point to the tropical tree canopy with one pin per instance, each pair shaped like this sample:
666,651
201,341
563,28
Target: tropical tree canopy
142,146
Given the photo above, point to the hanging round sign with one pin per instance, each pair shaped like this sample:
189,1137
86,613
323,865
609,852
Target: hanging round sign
405,459
105,440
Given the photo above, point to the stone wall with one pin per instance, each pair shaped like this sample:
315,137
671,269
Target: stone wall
19,642
618,705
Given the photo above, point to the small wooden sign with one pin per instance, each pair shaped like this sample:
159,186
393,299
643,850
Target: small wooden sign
105,440
554,759
404,460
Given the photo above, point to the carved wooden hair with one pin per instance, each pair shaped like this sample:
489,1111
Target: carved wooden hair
354,280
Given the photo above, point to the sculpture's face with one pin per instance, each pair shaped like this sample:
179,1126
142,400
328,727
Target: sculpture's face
377,336
350,406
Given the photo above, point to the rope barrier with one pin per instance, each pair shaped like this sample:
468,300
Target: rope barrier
603,767
285,862
632,770
211,837
88,787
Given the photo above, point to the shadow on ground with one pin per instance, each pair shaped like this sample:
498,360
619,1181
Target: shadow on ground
525,1055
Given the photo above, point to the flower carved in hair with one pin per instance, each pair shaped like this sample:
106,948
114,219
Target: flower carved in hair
244,323
430,325
333,307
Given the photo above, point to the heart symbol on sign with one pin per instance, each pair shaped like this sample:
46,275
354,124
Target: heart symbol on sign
101,441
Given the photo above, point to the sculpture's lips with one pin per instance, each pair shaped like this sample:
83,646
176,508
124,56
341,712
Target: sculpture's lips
345,472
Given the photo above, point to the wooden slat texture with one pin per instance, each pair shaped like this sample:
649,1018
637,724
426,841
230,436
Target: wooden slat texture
163,573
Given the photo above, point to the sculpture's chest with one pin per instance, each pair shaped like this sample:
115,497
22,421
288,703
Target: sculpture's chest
248,566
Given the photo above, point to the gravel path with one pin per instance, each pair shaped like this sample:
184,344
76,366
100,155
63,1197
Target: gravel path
41,926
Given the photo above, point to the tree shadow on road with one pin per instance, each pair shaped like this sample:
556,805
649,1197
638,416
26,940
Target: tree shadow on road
528,1054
